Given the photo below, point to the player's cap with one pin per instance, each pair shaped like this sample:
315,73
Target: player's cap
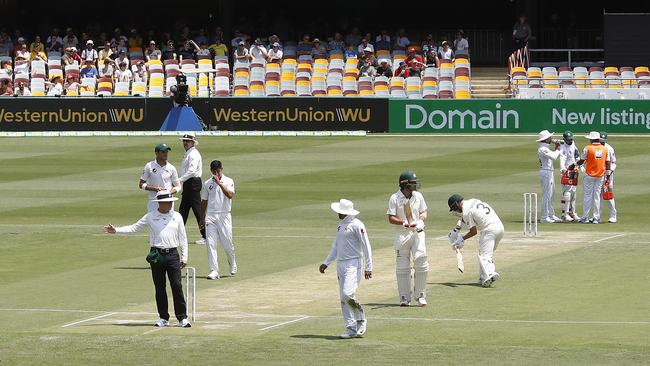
90,42
344,207
567,136
165,196
189,137
603,136
593,135
162,147
453,201
543,135
367,49
215,164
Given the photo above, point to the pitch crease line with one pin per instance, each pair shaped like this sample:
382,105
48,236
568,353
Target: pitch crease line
285,323
87,320
609,237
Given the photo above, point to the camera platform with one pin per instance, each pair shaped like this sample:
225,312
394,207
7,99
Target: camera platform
181,118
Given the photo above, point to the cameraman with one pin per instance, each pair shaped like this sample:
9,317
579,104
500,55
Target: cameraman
180,92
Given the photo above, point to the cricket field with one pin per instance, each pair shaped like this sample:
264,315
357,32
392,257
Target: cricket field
576,294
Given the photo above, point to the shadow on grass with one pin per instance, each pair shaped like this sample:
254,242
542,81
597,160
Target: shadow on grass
374,306
138,268
453,284
316,336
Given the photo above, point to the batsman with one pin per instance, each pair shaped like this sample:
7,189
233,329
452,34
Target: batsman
478,215
408,211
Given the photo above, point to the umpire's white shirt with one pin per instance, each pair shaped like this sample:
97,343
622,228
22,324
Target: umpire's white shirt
351,242
164,176
166,230
480,214
192,165
218,203
546,156
568,155
397,202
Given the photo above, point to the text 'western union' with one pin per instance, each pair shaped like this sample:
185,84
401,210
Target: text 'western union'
129,115
293,115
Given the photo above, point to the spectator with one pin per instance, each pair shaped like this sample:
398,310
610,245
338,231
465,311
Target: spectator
140,73
274,39
414,62
5,68
258,51
114,54
354,37
203,51
118,37
367,63
241,53
121,57
364,44
188,51
317,50
67,58
239,37
218,34
38,53
218,48
6,89
6,46
382,37
23,53
37,41
135,41
89,53
89,70
445,52
384,69
19,45
22,90
460,44
121,46
103,38
75,55
402,70
71,85
275,54
152,53
85,37
521,33
429,44
401,41
305,46
337,43
107,68
54,43
105,53
202,37
70,40
168,52
351,52
123,73
55,87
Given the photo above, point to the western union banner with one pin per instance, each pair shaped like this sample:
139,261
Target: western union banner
513,115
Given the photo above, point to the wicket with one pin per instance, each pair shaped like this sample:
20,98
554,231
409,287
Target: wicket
530,226
190,271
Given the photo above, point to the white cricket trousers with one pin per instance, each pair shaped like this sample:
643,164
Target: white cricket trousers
349,273
411,244
568,200
218,232
611,204
546,178
592,187
487,243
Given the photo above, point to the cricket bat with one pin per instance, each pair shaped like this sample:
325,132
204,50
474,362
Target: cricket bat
408,212
459,254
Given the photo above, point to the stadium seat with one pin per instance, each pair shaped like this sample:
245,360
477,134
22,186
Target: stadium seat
397,87
413,87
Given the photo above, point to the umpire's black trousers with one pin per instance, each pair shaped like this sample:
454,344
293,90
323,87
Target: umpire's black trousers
192,199
171,268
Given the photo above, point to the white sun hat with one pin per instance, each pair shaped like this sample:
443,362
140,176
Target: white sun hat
593,135
544,135
189,137
344,207
165,196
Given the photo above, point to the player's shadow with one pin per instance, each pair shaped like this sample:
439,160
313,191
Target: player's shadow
374,306
316,336
138,268
454,284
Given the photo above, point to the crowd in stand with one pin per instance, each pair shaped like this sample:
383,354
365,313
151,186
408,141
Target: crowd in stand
124,57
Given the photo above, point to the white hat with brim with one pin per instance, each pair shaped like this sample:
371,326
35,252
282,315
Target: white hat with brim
593,135
188,137
165,196
367,49
544,135
344,207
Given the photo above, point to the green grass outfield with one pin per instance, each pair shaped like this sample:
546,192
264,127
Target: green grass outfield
70,295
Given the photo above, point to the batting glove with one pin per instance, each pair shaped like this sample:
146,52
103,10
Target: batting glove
460,242
419,226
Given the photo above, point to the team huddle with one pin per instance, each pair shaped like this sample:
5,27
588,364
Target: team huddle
597,162
211,202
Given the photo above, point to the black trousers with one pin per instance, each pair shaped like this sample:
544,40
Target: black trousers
171,268
192,200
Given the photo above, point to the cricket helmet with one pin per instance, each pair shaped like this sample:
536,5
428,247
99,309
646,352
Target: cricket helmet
407,177
567,136
453,202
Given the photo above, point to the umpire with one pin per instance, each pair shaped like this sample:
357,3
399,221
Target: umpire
167,238
191,171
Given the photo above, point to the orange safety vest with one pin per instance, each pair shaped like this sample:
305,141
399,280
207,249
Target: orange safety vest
596,160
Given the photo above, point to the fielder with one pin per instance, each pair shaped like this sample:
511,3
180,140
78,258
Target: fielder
158,175
350,244
568,155
408,210
478,216
597,167
612,166
546,174
216,204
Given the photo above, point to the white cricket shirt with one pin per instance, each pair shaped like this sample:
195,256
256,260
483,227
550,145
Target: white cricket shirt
164,176
351,242
397,202
192,165
480,214
218,203
612,156
569,154
166,230
546,156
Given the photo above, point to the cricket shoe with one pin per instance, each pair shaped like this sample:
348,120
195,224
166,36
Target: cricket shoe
404,301
490,280
214,275
556,219
184,323
161,323
233,270
612,220
361,327
594,221
548,220
422,301
200,241
349,333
